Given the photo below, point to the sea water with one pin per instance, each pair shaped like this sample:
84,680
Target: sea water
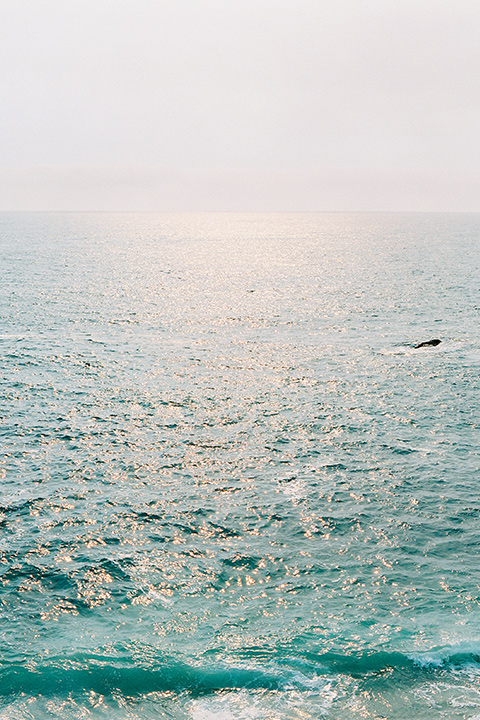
231,487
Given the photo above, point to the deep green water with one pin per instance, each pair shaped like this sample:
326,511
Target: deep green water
230,486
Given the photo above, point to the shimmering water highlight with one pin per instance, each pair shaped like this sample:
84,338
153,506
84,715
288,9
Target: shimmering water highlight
231,486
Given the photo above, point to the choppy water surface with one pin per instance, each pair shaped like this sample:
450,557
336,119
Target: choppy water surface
230,486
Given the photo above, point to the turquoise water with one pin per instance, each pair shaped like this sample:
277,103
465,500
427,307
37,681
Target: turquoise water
230,486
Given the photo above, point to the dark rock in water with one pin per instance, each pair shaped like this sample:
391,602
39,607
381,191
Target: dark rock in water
428,343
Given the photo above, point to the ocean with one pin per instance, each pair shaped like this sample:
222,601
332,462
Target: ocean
231,486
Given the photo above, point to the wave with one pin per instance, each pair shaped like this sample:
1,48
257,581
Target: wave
370,663
108,675
130,676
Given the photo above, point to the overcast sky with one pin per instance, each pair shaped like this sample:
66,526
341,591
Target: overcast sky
240,105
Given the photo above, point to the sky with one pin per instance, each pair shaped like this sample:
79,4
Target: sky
275,105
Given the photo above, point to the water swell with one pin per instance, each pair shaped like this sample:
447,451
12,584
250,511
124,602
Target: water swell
412,665
121,673
81,674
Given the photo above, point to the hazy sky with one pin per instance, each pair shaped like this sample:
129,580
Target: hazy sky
240,104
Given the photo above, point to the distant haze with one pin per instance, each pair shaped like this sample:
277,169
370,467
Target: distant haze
240,105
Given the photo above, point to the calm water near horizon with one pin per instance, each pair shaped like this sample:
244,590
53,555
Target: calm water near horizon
231,488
